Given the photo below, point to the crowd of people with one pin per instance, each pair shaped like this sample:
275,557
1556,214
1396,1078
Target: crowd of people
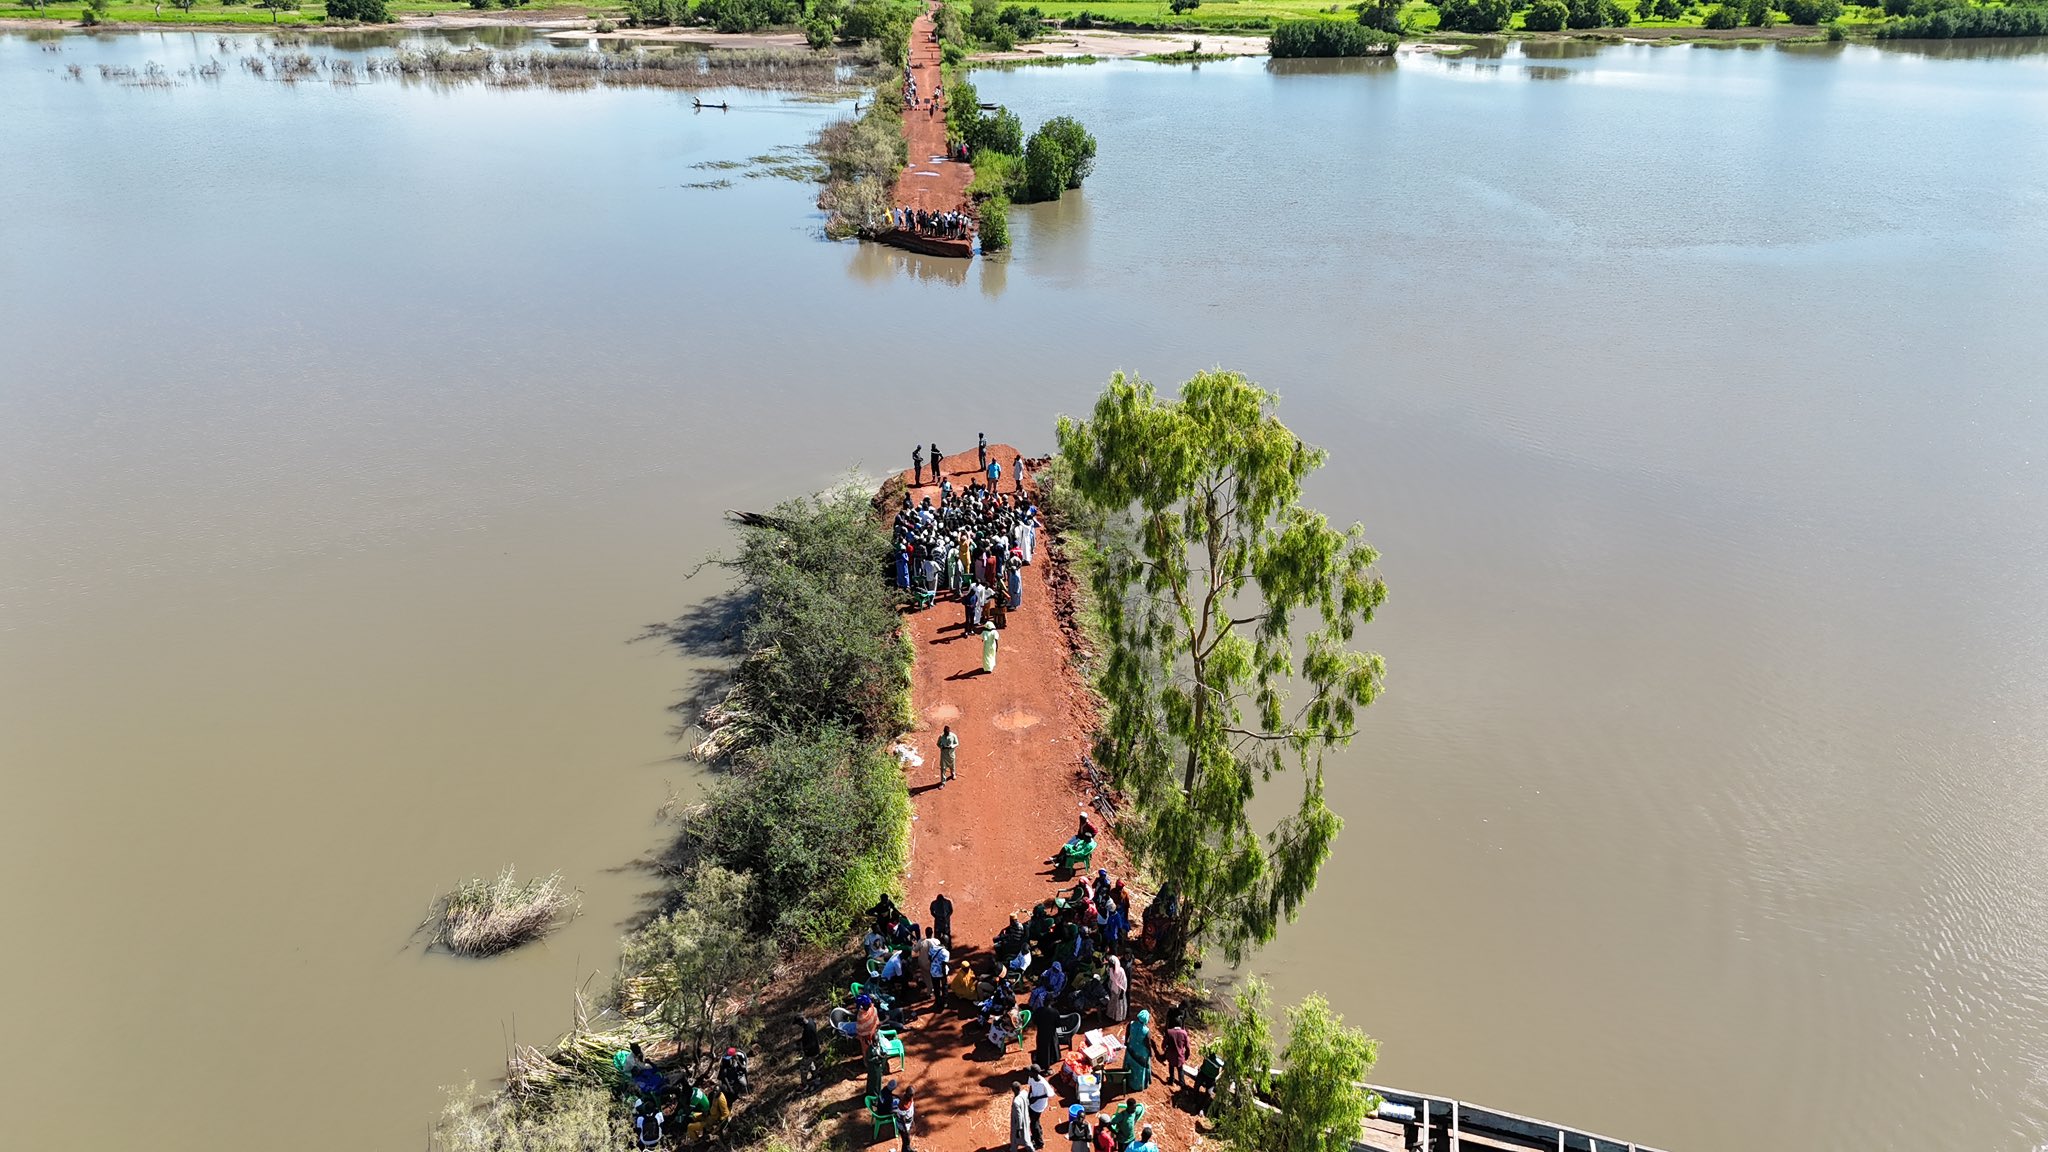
1047,974
666,1107
952,225
1063,965
972,543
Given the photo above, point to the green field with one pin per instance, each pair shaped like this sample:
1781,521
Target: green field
214,12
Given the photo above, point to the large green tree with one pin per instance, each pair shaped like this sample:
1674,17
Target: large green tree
1209,691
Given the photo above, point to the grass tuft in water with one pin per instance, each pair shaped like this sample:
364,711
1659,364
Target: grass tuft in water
486,917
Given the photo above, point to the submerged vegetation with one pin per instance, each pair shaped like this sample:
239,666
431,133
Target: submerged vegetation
807,826
486,917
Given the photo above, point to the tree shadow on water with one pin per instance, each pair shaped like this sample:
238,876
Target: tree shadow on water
707,634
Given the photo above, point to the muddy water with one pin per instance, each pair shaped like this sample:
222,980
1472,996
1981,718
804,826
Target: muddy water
348,435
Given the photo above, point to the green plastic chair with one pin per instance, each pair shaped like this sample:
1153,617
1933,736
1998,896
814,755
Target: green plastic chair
879,1118
892,1047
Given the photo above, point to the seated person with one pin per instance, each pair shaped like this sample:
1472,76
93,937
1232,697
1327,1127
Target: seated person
1082,841
1003,1027
1002,997
1011,940
711,1119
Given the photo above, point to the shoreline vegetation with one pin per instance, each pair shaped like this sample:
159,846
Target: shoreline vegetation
1002,32
804,825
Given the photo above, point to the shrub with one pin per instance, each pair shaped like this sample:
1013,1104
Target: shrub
1384,15
1182,6
363,11
745,15
820,631
1964,23
1023,22
1757,13
692,969
880,22
578,1116
1046,167
1300,38
1720,16
995,223
1545,16
1812,11
654,13
1669,9
1594,14
1004,39
819,821
1472,15
821,22
1076,143
997,131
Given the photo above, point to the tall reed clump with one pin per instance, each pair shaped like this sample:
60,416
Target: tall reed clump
486,917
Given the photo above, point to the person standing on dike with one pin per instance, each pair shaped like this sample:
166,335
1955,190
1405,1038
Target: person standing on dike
981,449
1048,1053
942,910
948,744
1138,1052
938,462
917,464
1020,1121
906,1115
988,647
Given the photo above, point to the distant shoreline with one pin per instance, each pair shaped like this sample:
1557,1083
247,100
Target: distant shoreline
1100,43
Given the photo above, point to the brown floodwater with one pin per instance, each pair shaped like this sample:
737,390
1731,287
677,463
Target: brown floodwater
350,434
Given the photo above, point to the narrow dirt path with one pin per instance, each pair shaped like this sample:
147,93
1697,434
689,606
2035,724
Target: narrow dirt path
930,181
983,838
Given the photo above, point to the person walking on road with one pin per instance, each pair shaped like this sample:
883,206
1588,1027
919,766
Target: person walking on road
1040,1091
905,1113
988,647
948,747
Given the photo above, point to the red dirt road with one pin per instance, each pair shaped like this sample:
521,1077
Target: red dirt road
930,181
983,839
